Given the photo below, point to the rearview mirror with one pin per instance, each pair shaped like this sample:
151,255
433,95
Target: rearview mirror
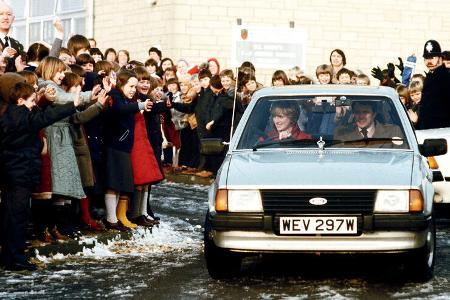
343,101
433,147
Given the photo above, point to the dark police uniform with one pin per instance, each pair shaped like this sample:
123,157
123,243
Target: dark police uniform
435,108
435,103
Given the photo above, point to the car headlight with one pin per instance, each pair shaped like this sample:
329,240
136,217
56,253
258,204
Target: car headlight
398,201
238,201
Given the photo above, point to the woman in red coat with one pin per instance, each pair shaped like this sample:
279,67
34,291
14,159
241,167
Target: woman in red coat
285,115
145,167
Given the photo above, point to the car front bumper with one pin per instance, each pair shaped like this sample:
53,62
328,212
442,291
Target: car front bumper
376,234
377,242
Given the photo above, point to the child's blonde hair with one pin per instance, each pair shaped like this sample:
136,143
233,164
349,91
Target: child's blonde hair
185,80
323,69
416,86
364,77
49,66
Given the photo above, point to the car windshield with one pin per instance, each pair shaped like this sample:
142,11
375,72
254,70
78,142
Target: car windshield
323,122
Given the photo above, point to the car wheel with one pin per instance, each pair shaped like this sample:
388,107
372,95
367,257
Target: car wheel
422,260
221,263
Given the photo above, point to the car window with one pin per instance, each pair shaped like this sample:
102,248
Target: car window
340,121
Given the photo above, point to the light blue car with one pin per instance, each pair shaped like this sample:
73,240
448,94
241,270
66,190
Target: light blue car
333,169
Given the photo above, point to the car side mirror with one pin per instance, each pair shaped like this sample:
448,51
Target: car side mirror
433,147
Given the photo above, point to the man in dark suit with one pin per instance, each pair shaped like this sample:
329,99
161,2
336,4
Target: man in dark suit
365,129
10,47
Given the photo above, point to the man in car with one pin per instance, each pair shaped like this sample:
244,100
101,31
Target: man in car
365,127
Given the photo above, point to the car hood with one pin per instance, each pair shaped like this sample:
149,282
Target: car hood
310,169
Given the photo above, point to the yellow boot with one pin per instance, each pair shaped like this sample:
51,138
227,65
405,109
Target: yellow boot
122,214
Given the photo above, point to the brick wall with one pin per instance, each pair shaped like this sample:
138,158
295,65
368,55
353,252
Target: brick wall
370,32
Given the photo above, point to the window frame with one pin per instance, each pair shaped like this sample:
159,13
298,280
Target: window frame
74,14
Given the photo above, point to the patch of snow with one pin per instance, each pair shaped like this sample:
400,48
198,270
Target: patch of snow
173,235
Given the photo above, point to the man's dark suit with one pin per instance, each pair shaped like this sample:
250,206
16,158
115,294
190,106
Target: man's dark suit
351,133
13,43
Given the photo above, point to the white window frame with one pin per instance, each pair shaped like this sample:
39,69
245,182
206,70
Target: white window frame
86,13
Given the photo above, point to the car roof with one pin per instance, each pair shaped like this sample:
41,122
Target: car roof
326,89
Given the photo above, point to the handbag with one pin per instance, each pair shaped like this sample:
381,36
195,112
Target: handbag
211,146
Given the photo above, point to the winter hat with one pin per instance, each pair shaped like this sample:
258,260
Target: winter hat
217,63
194,70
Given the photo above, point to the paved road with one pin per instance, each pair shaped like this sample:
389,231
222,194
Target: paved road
167,263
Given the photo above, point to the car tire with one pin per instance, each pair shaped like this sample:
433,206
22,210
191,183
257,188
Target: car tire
421,262
221,263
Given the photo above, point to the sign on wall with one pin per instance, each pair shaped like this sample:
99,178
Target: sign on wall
268,47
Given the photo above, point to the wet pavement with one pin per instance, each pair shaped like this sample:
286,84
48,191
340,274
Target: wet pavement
167,263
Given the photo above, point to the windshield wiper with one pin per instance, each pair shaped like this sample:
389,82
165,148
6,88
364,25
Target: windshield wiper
392,139
283,142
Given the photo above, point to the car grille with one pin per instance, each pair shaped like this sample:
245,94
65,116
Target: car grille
338,201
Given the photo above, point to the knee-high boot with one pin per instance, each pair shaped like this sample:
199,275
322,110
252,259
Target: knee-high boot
86,215
122,213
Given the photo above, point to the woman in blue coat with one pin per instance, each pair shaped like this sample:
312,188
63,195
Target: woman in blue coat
119,139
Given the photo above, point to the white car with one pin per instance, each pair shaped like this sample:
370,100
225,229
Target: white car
439,164
320,185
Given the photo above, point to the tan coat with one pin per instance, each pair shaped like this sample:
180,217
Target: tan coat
392,133
80,145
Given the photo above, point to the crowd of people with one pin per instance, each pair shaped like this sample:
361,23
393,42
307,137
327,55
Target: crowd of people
85,134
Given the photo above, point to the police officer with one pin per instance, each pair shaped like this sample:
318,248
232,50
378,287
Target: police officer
435,109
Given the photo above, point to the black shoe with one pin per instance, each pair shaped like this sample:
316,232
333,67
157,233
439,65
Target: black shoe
25,266
143,221
115,226
154,220
152,214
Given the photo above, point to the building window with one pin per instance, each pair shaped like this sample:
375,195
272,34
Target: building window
35,31
20,32
34,19
42,7
18,8
71,5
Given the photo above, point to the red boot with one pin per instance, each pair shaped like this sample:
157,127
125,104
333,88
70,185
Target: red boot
86,216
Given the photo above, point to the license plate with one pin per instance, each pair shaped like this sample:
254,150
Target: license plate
318,225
